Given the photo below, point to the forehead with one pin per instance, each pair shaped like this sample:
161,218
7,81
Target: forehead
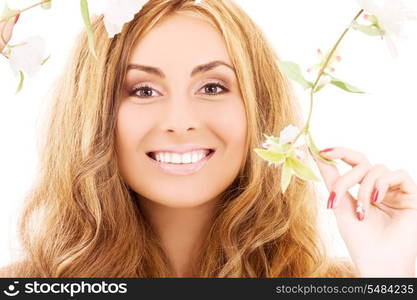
181,39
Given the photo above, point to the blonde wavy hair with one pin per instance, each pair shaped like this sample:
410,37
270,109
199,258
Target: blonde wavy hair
80,219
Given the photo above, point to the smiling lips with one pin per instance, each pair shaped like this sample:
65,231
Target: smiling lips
181,164
178,158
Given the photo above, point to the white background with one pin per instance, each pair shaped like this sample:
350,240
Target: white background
380,124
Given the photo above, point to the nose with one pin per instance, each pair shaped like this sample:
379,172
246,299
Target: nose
180,116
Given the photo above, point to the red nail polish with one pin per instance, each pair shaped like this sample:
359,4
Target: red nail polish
331,200
16,18
327,150
360,212
375,195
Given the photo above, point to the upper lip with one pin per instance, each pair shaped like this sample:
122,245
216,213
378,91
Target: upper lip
183,148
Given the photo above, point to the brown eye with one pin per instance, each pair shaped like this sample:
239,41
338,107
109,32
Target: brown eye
211,89
144,91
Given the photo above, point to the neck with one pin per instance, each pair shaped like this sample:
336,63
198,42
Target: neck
181,231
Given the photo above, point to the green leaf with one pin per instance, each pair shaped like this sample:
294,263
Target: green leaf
271,138
293,71
319,88
270,155
7,13
86,19
300,169
316,151
286,175
373,19
371,30
346,86
46,4
44,61
278,148
19,87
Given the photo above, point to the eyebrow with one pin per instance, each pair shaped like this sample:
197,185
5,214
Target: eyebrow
198,69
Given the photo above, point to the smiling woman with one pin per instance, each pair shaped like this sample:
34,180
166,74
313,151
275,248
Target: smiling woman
147,168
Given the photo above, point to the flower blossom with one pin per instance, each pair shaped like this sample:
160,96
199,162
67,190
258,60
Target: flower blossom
283,151
387,19
285,142
117,13
27,56
322,59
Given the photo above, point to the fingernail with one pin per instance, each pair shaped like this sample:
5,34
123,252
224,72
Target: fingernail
327,150
331,200
16,18
360,213
375,195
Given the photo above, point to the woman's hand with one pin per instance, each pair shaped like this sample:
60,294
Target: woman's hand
6,29
382,237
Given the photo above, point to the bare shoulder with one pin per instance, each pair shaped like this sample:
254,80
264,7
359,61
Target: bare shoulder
11,270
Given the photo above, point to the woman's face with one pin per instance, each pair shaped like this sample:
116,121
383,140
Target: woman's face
176,105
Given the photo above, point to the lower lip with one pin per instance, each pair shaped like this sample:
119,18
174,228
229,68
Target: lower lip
182,169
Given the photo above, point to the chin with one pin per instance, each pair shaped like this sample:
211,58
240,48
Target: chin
185,198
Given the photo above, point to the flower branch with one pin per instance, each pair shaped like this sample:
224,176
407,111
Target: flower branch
32,47
326,63
285,150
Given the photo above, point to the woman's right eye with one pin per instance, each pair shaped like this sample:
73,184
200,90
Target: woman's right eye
144,91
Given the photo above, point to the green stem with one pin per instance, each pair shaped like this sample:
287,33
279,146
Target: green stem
32,6
332,51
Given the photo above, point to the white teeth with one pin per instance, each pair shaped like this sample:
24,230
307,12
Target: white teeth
175,158
166,157
185,158
195,157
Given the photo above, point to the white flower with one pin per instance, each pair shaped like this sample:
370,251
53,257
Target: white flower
117,13
322,59
27,56
289,133
390,16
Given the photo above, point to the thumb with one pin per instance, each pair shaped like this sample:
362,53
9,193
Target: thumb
330,173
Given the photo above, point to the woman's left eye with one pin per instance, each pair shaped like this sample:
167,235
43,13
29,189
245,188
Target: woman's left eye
211,89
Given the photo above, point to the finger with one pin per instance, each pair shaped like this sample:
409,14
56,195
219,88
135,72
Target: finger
349,156
330,173
398,178
348,180
366,190
355,176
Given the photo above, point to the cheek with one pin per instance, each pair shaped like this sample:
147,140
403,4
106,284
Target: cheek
131,129
128,128
230,124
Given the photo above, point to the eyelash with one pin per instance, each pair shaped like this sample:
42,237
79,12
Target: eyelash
146,86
